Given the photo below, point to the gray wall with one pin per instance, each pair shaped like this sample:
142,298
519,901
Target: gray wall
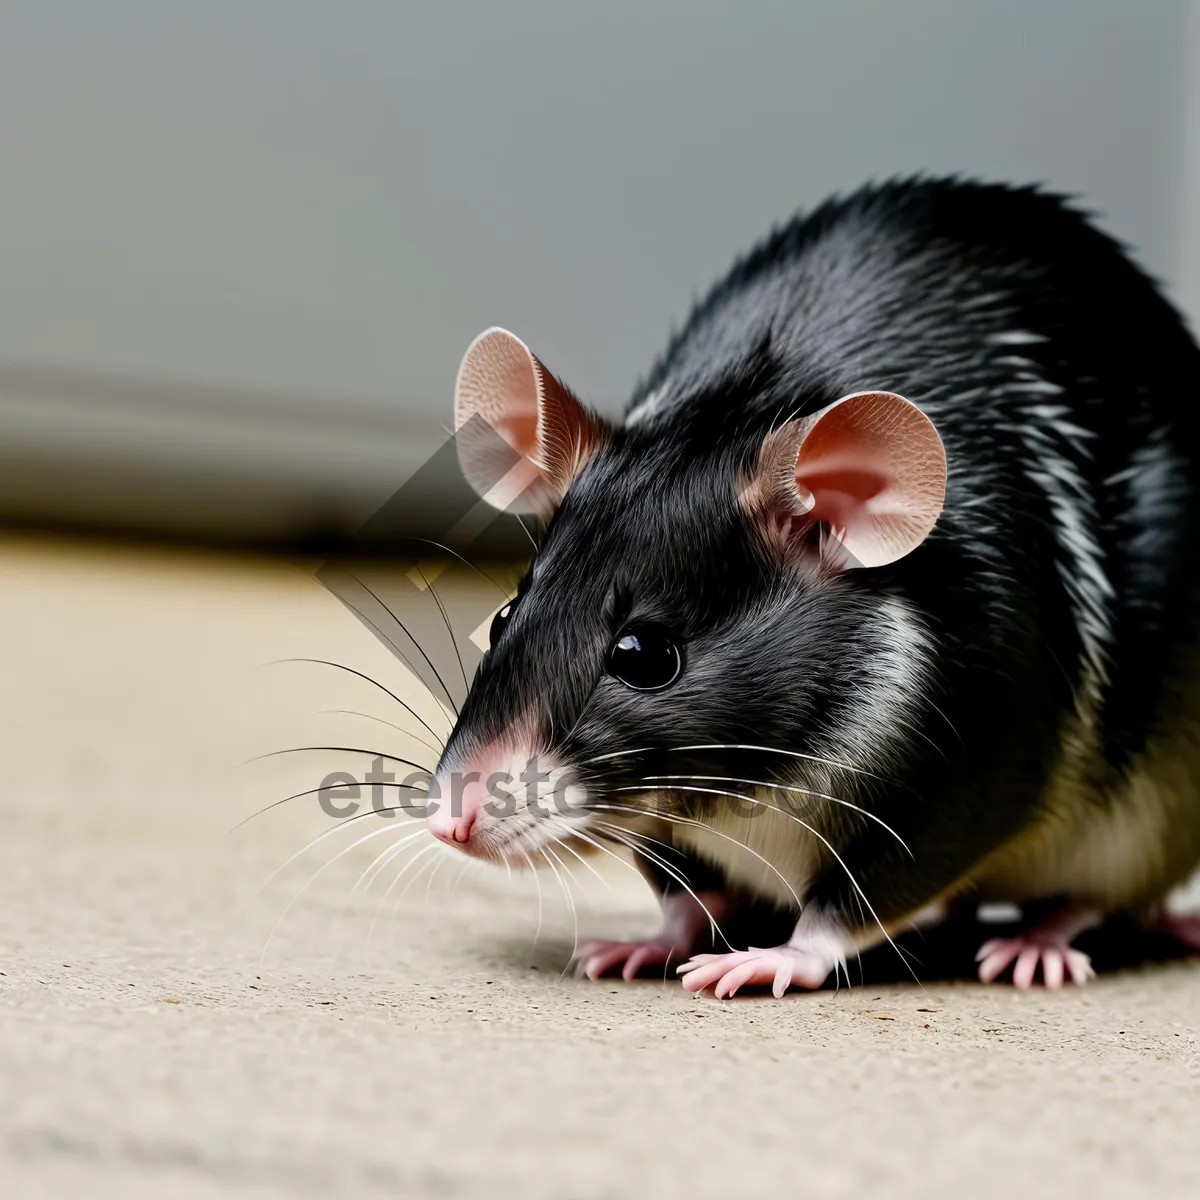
312,205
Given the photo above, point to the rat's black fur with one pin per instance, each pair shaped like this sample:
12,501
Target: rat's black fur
1060,579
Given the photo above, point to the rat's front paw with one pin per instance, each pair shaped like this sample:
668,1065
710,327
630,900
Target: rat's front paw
781,967
686,918
597,958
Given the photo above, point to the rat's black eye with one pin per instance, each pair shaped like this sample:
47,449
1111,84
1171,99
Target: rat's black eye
499,621
645,658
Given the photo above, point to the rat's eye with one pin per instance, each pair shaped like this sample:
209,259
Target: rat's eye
499,621
645,658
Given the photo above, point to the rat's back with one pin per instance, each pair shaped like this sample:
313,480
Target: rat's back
1061,383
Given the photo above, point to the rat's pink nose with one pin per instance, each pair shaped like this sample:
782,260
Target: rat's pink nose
457,810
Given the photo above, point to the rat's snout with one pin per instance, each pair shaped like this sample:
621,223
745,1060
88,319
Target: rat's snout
457,810
503,804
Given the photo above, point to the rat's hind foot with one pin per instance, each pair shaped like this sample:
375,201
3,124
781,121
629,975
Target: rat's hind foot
1183,927
1056,958
1047,945
780,966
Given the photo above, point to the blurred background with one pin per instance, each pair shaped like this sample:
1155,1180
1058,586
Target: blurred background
244,243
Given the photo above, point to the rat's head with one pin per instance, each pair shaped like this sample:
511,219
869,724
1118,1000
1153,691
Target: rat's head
696,614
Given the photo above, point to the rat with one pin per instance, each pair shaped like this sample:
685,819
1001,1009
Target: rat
880,599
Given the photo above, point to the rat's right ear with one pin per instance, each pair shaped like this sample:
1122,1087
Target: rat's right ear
868,474
521,436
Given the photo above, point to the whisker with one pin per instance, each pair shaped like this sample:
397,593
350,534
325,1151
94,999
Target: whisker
460,876
325,662
551,858
411,880
853,883
571,877
309,882
862,916
420,650
828,762
840,861
408,762
465,562
449,629
616,832
674,819
354,712
377,864
800,791
404,787
611,854
437,866
526,532
395,646
380,861
538,884
391,887
370,812
561,824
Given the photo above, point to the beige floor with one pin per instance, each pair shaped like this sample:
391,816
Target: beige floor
146,1051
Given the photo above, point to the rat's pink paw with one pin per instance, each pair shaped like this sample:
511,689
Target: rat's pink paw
597,958
781,967
1051,951
1184,927
1047,945
686,917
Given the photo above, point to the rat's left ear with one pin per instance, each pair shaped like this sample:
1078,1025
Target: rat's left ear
869,470
504,401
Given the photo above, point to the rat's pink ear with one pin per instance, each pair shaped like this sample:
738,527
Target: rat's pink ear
521,436
869,470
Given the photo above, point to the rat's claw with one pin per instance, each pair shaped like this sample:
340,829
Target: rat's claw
1080,966
697,960
778,967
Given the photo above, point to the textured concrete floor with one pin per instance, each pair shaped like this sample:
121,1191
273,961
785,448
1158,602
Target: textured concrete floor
148,1049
